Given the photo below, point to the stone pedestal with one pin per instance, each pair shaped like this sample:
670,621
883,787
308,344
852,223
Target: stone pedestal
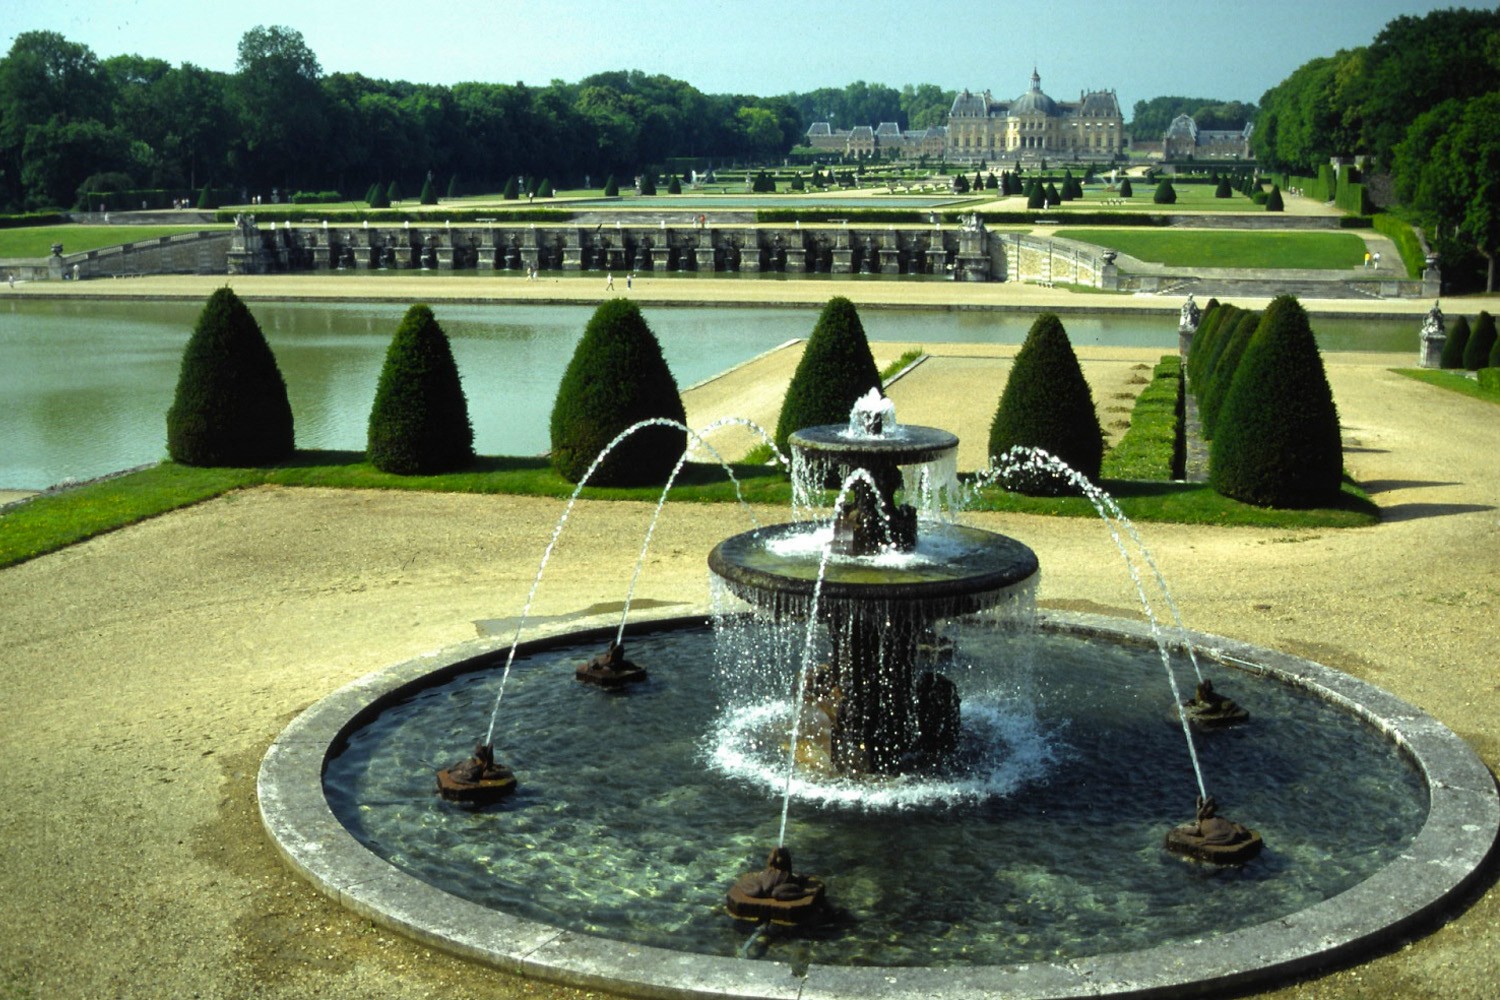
843,260
1433,336
706,259
324,254
937,260
750,262
796,260
572,252
890,261
489,254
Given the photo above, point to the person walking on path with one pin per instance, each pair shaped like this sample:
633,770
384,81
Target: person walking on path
609,281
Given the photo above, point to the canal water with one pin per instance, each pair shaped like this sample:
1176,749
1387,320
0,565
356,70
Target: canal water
86,384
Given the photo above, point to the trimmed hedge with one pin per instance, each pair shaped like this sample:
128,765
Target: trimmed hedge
836,369
419,423
1489,378
1453,347
1481,342
1047,404
398,215
1405,238
617,378
230,407
1151,449
1278,439
1222,368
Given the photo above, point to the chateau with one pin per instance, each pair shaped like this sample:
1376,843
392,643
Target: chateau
1030,127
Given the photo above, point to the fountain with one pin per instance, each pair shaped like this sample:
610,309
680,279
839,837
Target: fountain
877,584
885,622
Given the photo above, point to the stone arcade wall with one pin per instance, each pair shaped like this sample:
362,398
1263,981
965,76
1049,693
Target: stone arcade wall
967,253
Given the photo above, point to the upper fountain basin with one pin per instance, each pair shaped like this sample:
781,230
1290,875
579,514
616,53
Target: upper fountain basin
905,444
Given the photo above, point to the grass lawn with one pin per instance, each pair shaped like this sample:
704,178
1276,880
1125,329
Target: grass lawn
1190,198
1230,248
36,241
51,522
1453,381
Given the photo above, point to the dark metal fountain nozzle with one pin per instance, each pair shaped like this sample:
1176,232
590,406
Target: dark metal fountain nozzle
1212,839
610,670
478,780
776,894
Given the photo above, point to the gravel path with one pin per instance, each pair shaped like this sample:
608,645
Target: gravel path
147,670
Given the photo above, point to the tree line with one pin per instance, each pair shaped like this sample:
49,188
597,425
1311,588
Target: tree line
71,122
1422,101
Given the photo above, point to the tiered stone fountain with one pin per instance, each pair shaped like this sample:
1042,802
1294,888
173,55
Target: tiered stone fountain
878,584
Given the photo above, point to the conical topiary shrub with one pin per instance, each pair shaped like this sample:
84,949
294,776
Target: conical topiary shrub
1047,404
231,406
836,369
429,193
1276,443
1165,194
1453,347
511,191
617,378
419,423
1126,191
1481,340
1273,200
611,187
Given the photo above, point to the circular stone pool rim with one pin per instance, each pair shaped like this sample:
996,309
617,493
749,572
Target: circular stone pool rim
1460,831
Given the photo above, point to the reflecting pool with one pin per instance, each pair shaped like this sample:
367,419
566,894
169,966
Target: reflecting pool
87,383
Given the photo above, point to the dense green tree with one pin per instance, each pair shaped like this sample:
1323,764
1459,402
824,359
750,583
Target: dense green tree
419,423
281,103
1453,346
617,378
836,369
1047,404
1481,342
1149,119
1302,120
1418,62
1445,170
1276,442
230,406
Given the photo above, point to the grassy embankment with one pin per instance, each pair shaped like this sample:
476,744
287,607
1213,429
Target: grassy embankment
1230,248
36,241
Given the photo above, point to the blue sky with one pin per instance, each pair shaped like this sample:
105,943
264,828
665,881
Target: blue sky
1219,48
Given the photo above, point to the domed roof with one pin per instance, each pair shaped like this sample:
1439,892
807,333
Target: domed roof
1034,102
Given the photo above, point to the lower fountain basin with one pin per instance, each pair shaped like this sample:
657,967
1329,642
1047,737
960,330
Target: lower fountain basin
1421,867
955,569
